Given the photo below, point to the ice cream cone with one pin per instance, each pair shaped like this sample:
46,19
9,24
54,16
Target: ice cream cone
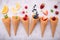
15,22
26,24
6,22
33,24
43,24
53,25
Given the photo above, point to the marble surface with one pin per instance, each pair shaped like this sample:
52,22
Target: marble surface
36,34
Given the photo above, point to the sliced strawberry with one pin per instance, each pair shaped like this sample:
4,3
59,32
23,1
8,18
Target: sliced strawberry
45,12
44,18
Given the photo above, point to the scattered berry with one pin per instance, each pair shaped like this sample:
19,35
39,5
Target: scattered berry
56,12
42,6
55,6
23,12
26,7
53,18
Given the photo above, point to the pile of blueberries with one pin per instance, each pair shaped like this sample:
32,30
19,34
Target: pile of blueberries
36,12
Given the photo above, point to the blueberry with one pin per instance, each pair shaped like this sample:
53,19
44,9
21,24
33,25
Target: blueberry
35,16
34,9
34,6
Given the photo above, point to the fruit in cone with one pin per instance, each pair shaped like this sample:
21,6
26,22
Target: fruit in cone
53,21
15,22
6,22
43,23
25,21
34,21
5,9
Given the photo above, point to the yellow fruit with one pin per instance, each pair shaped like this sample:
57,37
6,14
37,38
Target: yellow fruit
5,9
17,6
14,10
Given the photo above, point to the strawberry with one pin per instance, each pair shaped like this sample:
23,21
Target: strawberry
45,12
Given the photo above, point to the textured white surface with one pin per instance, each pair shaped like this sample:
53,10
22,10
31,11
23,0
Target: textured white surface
36,34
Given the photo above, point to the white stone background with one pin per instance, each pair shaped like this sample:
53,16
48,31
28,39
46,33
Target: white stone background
36,34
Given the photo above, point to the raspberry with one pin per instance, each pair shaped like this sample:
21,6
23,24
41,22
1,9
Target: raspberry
42,6
56,12
23,12
55,6
26,7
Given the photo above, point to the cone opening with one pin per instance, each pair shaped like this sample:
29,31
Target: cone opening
15,17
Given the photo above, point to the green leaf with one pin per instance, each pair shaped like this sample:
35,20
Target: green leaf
6,16
52,10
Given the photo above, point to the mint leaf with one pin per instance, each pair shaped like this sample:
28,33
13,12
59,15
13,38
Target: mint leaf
52,10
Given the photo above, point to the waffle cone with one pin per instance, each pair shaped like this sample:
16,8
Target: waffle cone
7,24
15,23
33,24
43,25
53,25
26,25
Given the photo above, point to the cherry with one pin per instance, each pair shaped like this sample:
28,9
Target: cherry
56,12
42,6
55,6
25,18
53,18
26,7
23,12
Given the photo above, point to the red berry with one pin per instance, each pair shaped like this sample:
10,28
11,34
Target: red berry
53,18
55,6
56,12
23,12
26,7
42,6
25,18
